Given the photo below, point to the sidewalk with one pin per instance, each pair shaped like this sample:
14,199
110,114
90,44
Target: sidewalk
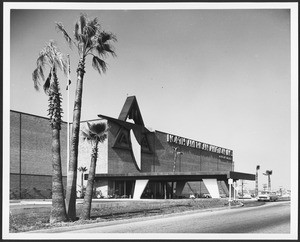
35,201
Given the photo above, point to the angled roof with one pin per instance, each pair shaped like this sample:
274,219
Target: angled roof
125,124
131,110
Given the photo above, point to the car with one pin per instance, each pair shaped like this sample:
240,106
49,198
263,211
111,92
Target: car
205,195
244,196
267,196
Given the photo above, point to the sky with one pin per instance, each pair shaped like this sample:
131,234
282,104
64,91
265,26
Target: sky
219,76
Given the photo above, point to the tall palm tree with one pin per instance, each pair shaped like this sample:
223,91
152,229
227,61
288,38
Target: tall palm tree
52,58
89,39
82,170
95,133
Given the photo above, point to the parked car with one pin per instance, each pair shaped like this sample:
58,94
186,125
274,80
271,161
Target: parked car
267,196
205,195
244,196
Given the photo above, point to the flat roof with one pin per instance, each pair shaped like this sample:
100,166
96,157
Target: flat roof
176,176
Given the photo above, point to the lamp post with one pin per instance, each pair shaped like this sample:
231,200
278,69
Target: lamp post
68,111
175,158
256,180
268,173
176,153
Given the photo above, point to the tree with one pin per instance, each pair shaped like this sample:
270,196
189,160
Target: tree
82,170
95,133
50,56
89,39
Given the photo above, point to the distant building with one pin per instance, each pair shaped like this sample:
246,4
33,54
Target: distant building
133,162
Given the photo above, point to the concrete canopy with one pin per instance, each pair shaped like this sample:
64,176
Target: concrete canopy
178,176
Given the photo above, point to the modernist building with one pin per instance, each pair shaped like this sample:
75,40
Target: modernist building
136,162
133,161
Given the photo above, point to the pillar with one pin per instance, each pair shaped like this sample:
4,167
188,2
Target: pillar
212,187
139,188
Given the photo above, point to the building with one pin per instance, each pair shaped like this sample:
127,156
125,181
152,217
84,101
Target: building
133,161
136,162
31,157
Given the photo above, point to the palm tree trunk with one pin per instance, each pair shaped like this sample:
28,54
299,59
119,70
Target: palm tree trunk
81,195
73,163
86,207
58,211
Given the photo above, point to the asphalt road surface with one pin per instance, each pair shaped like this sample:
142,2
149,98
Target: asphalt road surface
269,218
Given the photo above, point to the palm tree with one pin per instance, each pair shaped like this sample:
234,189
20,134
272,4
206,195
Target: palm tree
89,39
50,56
94,134
82,170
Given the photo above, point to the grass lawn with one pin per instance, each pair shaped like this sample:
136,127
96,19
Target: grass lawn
37,217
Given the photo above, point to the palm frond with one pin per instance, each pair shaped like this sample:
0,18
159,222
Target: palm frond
85,135
76,32
51,56
82,22
106,48
35,77
102,138
89,43
41,60
99,65
95,24
92,28
65,67
60,27
98,130
41,72
82,169
106,36
47,83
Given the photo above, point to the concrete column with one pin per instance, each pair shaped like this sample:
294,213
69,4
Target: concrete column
212,187
179,187
225,187
232,190
139,188
124,193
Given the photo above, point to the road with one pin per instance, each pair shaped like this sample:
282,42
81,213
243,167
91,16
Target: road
269,218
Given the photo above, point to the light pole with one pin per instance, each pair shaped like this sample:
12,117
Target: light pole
256,181
176,153
68,112
175,158
269,173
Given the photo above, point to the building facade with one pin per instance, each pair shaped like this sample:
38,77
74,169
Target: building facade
31,157
136,162
133,162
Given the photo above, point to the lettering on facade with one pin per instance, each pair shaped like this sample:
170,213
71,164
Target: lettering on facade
199,145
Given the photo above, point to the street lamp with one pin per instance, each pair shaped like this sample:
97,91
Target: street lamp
175,158
268,173
176,153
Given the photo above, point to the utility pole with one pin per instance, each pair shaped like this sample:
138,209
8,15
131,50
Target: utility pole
256,180
242,188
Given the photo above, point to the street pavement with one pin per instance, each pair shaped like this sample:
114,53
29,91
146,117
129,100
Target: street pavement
272,218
